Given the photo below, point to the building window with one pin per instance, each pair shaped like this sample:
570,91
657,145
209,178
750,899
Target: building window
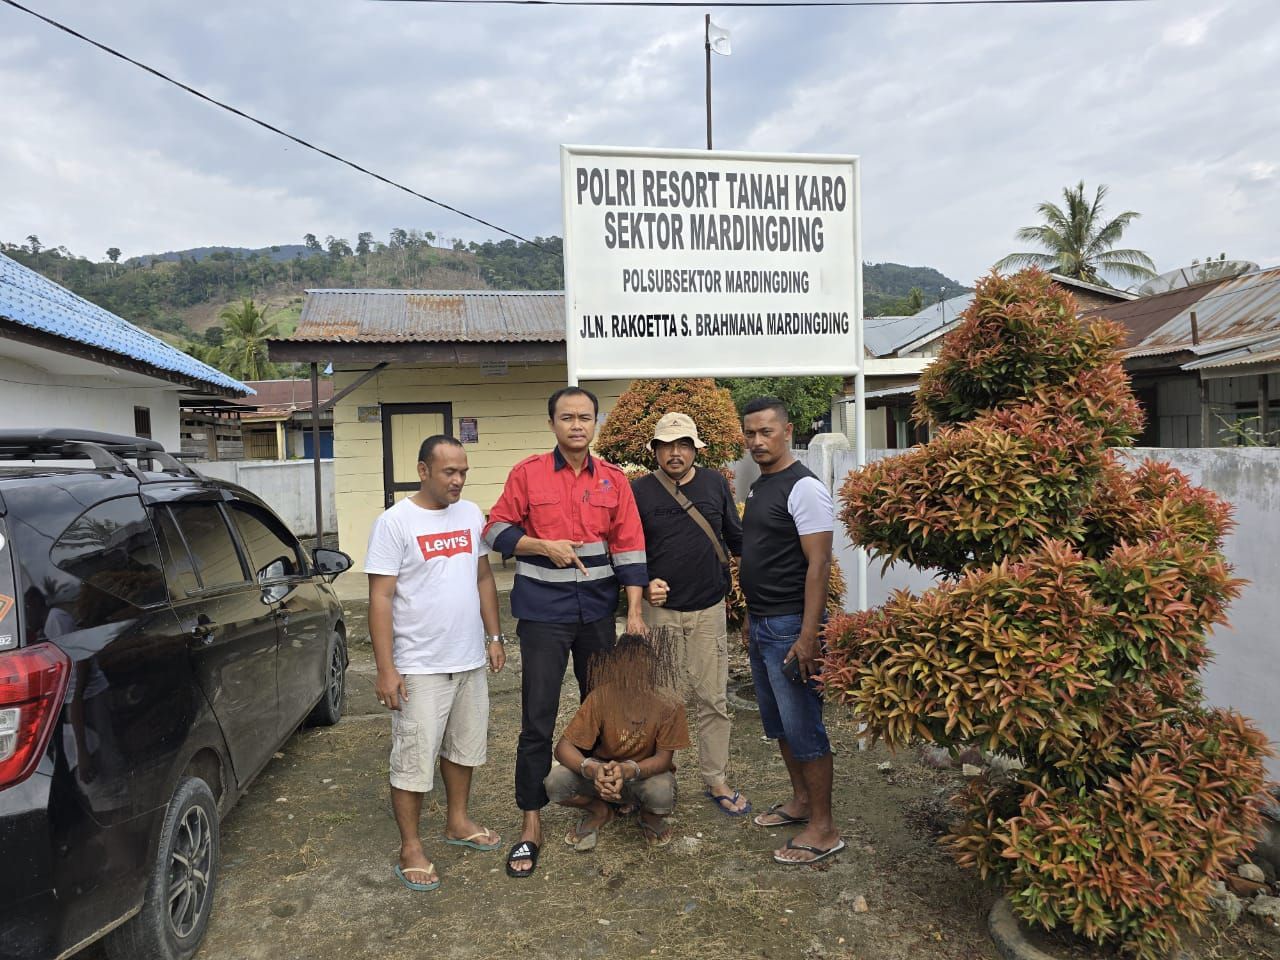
142,422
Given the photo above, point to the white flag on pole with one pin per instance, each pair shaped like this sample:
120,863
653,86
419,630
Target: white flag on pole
718,37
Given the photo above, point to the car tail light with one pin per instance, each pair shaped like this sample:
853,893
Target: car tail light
32,683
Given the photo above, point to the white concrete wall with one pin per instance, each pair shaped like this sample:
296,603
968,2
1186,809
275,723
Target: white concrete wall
32,397
287,486
1245,674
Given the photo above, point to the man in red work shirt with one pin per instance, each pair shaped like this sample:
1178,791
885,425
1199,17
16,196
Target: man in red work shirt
571,521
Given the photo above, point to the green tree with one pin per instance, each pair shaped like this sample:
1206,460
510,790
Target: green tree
364,243
33,244
311,242
808,399
113,254
1079,242
243,354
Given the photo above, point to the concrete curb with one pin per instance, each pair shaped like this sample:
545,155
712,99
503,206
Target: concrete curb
1006,933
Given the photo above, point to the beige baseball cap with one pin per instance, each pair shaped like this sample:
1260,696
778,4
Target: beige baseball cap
672,426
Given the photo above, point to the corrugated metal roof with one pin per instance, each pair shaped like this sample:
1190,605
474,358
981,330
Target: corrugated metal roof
34,301
285,394
1228,313
431,316
886,335
1263,350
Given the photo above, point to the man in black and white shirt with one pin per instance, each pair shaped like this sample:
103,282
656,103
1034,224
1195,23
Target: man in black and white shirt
688,582
786,565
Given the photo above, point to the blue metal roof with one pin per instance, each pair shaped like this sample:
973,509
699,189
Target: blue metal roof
34,301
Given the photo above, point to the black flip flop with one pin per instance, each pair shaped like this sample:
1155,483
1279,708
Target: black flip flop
818,853
522,851
776,810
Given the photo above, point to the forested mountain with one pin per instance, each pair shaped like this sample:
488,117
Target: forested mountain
889,289
182,294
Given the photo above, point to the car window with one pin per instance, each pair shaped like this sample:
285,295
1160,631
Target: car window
179,571
208,538
112,549
274,552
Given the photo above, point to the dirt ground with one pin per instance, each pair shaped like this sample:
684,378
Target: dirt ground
307,861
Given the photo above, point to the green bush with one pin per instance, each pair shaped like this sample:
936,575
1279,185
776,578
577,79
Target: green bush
1069,631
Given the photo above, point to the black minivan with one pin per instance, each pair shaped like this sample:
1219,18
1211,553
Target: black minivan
161,635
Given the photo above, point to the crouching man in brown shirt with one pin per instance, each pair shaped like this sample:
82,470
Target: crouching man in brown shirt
619,748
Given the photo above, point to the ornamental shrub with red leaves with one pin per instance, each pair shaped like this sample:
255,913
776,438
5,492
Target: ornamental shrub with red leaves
624,437
1069,630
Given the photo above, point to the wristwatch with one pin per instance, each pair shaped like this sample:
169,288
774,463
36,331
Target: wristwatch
498,638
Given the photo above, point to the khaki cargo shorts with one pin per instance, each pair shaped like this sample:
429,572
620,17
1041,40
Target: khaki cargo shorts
446,715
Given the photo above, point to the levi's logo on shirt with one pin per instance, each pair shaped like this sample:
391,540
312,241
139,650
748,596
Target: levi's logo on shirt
448,544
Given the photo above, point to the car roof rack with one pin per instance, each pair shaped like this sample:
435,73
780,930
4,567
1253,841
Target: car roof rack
108,451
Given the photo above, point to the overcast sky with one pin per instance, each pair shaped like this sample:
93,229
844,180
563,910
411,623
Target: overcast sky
965,118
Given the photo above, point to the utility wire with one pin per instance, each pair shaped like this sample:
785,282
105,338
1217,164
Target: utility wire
274,129
761,3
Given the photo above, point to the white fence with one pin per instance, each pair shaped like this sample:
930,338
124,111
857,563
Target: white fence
287,486
1245,673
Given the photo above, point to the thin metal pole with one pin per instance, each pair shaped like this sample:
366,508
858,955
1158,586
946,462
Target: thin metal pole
707,37
860,461
315,451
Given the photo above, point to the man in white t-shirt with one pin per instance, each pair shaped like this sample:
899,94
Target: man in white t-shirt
433,619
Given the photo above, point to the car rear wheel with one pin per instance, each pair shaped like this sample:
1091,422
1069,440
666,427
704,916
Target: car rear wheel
329,710
180,892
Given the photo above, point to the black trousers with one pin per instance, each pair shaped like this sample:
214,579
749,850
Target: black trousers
544,653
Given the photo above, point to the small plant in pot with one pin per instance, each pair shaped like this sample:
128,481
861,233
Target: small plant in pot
1069,629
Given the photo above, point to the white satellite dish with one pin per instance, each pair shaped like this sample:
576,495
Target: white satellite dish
1195,274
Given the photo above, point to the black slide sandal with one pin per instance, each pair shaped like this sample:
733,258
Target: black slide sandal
522,851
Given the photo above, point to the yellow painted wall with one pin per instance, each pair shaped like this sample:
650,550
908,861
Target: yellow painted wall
511,413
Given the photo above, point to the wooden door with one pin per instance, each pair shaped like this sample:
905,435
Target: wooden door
404,427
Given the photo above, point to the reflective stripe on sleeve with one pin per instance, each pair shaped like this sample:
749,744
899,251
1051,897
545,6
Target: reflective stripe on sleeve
629,556
495,530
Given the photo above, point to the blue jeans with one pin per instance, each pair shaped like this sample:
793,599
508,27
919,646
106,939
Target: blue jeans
789,710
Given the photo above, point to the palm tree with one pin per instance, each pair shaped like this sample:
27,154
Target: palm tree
244,345
1079,243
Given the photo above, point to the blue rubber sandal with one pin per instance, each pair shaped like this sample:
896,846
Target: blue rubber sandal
418,887
471,841
721,799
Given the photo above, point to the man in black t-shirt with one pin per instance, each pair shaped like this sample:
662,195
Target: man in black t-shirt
786,567
688,583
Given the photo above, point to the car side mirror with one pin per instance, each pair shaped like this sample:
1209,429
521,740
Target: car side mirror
330,563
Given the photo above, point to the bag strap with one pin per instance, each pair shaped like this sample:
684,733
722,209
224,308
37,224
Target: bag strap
694,514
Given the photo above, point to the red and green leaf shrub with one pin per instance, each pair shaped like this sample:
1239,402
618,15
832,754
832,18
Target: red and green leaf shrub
1069,632
624,437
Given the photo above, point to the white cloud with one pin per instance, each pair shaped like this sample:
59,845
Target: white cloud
1190,31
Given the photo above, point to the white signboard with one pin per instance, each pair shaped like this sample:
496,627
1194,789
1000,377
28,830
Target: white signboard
709,263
